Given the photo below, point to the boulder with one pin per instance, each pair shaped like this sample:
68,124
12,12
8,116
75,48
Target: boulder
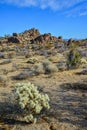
44,39
15,35
13,39
60,38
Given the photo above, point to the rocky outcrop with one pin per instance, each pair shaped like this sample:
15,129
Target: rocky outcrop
30,34
24,37
45,38
33,36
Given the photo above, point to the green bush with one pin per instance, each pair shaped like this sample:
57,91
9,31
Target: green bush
74,57
30,100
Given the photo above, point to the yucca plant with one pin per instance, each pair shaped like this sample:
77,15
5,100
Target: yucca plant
74,57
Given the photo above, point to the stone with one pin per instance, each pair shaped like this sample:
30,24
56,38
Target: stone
13,40
15,34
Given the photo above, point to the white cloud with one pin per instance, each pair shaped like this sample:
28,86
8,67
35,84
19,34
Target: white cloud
53,4
20,2
79,9
83,13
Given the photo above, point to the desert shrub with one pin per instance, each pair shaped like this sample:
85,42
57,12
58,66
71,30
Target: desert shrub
46,67
2,78
30,100
49,67
5,71
15,66
11,55
74,57
62,65
39,69
46,63
32,60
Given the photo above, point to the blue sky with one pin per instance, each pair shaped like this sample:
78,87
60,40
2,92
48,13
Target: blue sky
59,17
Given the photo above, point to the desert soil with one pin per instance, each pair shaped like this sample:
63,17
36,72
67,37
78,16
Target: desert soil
68,102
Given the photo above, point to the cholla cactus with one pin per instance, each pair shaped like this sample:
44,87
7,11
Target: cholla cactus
29,99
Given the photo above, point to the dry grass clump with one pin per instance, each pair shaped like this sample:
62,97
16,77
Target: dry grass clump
49,66
11,55
46,63
62,65
16,66
39,69
5,71
2,78
32,60
46,67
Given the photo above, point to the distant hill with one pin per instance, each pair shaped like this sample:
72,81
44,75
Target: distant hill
33,36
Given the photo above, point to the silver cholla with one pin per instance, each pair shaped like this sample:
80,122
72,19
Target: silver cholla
29,98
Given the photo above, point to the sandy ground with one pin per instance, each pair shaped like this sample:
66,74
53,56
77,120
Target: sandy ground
68,102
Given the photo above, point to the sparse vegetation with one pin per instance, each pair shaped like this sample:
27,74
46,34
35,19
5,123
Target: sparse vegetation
42,59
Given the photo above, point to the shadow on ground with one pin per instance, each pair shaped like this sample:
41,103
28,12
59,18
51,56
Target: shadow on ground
9,113
69,104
